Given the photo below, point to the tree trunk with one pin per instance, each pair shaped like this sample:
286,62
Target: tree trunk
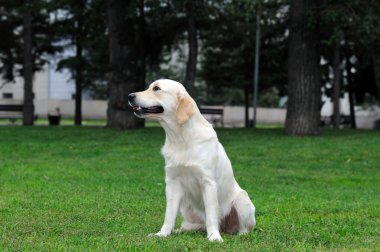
140,43
192,40
78,89
350,91
79,66
336,89
303,112
28,112
376,68
246,106
127,70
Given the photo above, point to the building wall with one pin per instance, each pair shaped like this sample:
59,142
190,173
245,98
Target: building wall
40,87
91,109
14,88
60,85
47,84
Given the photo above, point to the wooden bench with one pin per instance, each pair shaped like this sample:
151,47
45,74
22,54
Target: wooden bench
328,121
214,111
12,112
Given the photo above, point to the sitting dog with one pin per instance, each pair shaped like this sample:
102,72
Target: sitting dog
199,179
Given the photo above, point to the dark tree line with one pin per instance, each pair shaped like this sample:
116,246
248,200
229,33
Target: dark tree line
120,46
345,34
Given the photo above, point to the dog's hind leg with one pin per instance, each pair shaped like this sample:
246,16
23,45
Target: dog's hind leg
245,211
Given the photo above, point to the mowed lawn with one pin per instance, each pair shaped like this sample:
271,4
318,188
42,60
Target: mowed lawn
81,189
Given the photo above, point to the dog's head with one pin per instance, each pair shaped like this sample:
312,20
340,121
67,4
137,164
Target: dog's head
163,98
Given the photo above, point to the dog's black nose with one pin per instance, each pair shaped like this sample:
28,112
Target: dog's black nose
131,97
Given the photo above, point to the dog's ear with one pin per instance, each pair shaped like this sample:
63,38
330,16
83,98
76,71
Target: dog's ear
185,108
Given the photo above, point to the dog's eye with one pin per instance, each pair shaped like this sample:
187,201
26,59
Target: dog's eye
156,88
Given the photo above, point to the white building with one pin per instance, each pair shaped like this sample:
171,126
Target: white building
52,90
47,84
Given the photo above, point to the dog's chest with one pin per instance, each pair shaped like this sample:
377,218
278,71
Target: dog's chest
180,166
177,155
190,179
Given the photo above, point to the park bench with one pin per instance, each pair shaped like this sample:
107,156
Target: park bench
328,121
214,111
12,112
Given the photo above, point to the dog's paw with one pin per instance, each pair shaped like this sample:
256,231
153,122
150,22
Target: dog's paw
215,237
162,234
178,231
159,234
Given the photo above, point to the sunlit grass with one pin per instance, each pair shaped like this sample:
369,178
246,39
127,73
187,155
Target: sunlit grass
90,188
68,122
63,122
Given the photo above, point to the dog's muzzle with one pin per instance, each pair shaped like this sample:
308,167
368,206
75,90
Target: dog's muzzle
140,110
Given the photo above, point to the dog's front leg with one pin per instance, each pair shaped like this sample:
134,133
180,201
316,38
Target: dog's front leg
210,199
173,198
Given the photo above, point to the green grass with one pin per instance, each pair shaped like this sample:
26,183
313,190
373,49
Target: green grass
81,189
63,122
70,122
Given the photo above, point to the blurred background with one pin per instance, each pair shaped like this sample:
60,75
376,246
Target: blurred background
245,62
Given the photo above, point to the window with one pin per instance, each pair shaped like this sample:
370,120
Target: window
7,95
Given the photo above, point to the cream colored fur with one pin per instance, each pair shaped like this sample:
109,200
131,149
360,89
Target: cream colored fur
200,183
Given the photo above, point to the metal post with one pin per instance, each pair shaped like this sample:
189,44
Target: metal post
256,73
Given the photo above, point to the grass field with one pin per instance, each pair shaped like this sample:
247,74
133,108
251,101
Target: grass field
63,122
81,189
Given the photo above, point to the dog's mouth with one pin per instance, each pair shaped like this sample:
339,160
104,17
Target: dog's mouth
148,110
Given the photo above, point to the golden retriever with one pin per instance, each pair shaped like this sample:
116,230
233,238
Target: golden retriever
199,179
